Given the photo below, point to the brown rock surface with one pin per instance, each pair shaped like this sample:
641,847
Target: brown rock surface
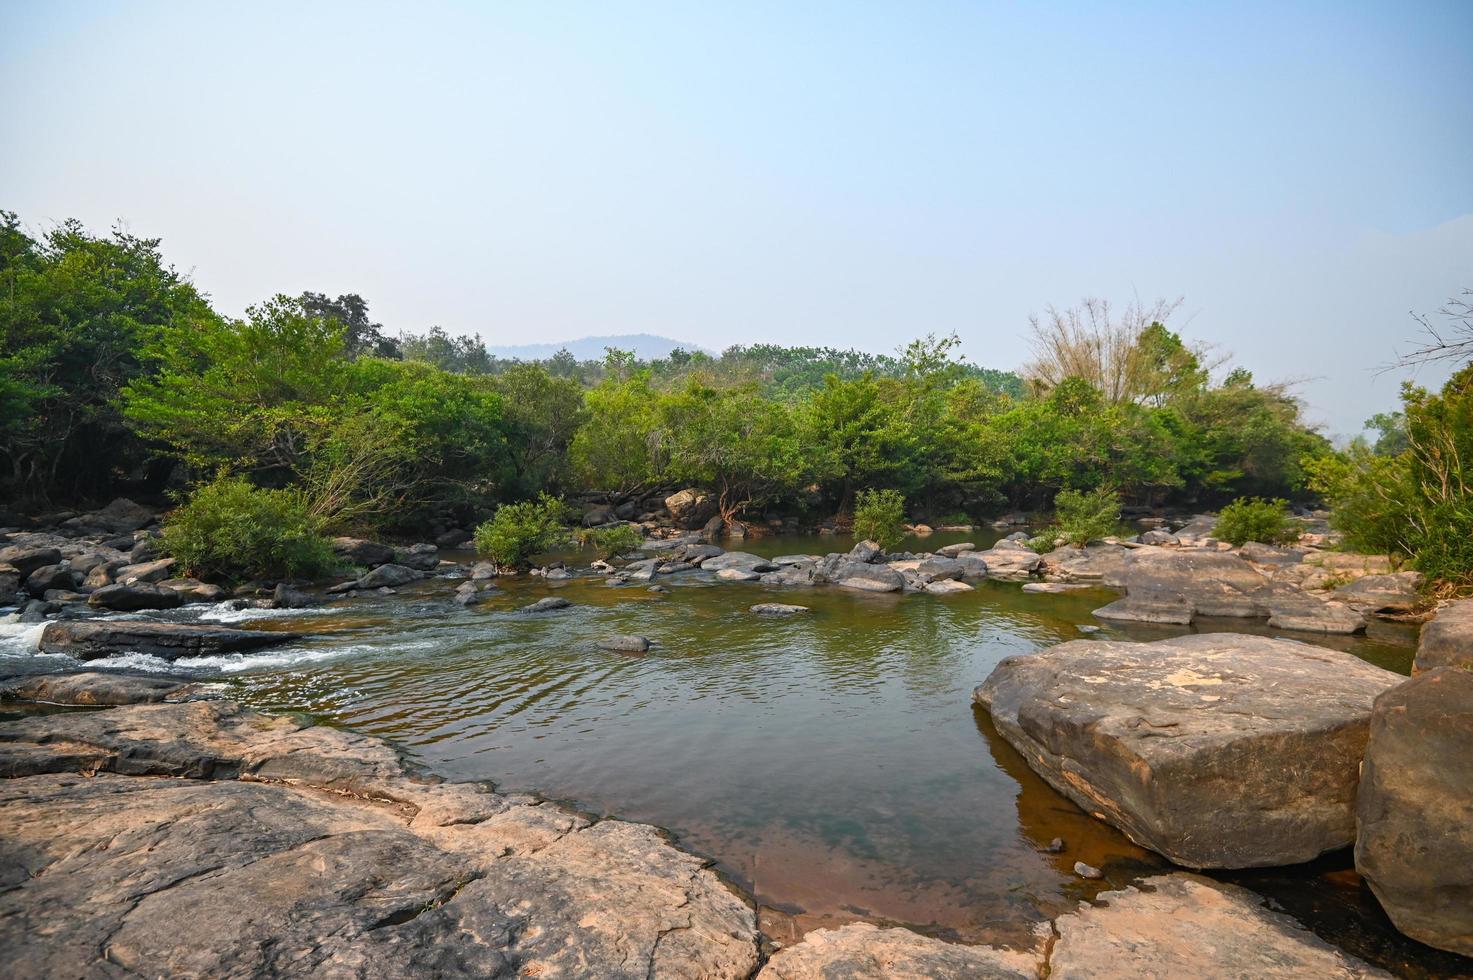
1447,640
861,951
94,639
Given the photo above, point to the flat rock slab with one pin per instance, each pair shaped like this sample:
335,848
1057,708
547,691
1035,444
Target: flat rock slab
97,688
94,639
1447,640
778,609
864,952
1186,926
1415,808
387,874
1175,585
1217,750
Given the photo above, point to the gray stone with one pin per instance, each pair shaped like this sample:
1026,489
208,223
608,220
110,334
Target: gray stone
1310,614
286,596
866,578
132,598
952,550
1396,592
388,576
27,560
97,688
422,557
948,587
1010,561
625,644
550,604
147,571
778,609
1415,808
1092,563
1160,538
1176,585
691,508
49,577
738,559
1216,750
92,639
865,551
737,575
1447,640
938,568
366,554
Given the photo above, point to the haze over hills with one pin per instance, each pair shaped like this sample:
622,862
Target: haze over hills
646,346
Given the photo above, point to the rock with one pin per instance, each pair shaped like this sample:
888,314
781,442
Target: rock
332,860
973,566
27,560
1055,846
388,576
624,644
288,597
1092,563
691,508
62,596
861,951
1177,585
697,553
740,560
118,517
37,610
339,588
712,529
948,587
10,580
1088,871
49,577
1009,561
148,571
642,570
97,688
145,549
366,554
82,564
422,557
549,604
469,593
93,639
1310,614
1186,926
1415,841
132,598
1267,554
672,567
1087,628
1160,538
193,590
1393,593
1216,750
865,551
866,578
737,575
952,550
597,516
101,575
777,609
1051,588
937,568
453,538
793,575
1447,640
483,570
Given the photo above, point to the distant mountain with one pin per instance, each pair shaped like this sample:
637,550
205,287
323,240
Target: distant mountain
645,346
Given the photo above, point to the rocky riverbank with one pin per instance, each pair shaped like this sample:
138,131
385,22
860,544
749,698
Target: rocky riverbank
296,850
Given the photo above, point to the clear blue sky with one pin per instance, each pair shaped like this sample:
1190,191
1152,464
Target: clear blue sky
852,174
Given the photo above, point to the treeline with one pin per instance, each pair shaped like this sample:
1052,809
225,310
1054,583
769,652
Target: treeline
117,376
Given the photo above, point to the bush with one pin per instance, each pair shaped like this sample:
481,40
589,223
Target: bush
611,542
516,532
1086,516
230,529
1255,519
879,516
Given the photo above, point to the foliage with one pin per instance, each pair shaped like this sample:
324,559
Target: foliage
1255,519
1085,516
879,516
517,532
611,542
232,530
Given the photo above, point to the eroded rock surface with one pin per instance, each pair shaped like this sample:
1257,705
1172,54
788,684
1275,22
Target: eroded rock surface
94,639
1447,641
1216,750
1175,585
97,688
332,860
1415,808
861,951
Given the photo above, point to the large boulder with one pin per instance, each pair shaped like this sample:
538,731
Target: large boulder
388,577
1175,585
1092,563
146,571
1010,561
865,577
939,568
366,554
1293,610
10,580
1447,640
739,560
1217,750
119,517
691,508
49,577
26,560
94,688
92,640
1396,592
1415,808
132,598
423,557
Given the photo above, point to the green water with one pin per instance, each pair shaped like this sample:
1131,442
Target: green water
832,764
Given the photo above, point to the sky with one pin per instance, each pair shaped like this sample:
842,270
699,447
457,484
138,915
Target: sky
849,174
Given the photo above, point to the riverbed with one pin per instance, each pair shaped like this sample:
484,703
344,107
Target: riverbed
831,764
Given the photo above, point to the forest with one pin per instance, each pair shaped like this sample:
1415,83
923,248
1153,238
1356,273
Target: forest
118,376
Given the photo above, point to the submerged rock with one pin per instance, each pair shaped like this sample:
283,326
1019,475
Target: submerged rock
549,604
1415,841
948,587
1447,640
625,644
93,639
778,609
1216,750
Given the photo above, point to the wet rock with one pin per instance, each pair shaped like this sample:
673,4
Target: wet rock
691,508
193,590
792,574
93,639
49,577
1393,593
1010,561
948,587
132,598
385,875
289,597
97,688
672,567
1055,846
1088,871
422,557
625,644
10,580
973,565
861,951
340,588
1184,925
357,551
388,576
1447,640
1176,585
866,578
937,568
778,609
549,604
27,560
1415,841
1216,750
737,575
740,560
1051,588
37,610
483,570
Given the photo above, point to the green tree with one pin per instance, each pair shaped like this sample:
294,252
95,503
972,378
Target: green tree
518,532
879,516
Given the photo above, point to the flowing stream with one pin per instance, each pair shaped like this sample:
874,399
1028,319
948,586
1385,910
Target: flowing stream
832,764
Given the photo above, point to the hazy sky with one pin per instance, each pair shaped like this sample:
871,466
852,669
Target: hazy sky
848,174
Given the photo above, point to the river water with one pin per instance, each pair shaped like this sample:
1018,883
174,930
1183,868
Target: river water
831,764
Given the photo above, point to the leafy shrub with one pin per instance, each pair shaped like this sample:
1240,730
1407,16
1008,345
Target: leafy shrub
879,516
1255,519
1084,516
516,532
610,542
230,529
